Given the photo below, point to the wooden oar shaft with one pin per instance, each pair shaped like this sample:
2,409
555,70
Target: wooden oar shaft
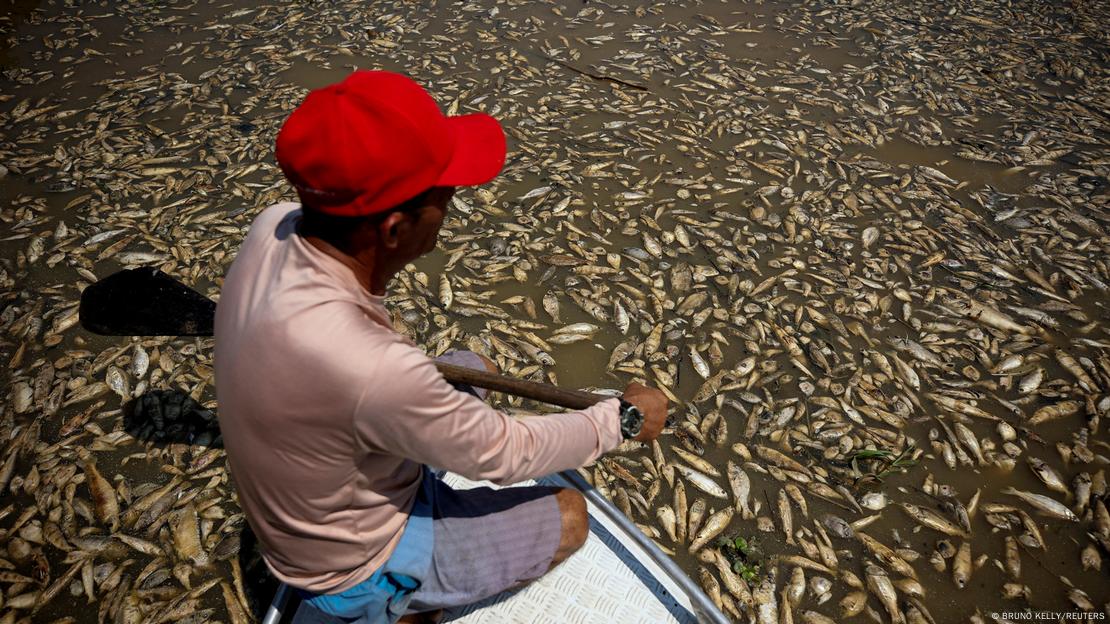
546,393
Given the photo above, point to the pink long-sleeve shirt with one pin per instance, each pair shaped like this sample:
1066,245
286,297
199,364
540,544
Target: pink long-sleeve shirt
327,413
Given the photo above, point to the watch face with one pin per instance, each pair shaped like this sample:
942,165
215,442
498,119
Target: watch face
631,420
636,426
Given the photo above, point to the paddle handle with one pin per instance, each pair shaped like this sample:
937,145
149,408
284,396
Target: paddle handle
545,393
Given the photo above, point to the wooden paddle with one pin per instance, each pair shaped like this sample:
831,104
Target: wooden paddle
147,302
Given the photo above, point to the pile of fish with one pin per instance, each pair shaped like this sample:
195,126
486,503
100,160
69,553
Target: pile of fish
863,247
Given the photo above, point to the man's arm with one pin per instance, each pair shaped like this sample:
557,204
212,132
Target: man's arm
409,410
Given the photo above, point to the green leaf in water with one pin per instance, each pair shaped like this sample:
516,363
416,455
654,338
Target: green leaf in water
872,454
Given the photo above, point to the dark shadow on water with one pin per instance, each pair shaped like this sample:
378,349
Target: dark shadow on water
258,584
165,417
171,417
17,12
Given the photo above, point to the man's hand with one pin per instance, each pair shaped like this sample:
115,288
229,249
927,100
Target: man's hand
652,404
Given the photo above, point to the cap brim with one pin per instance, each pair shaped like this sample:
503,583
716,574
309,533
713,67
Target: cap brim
479,151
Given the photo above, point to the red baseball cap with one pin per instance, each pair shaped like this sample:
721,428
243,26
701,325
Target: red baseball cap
376,140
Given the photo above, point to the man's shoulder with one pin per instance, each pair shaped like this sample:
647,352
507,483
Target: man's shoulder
274,224
276,213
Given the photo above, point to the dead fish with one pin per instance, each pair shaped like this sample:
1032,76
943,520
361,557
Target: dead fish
668,520
734,585
140,361
786,518
1031,382
1043,504
885,555
970,442
551,305
852,604
103,495
932,520
681,511
140,545
1009,363
699,364
1055,411
1072,366
186,537
701,481
741,487
766,605
870,235
838,526
879,584
714,526
117,381
1047,475
993,318
695,517
961,565
697,463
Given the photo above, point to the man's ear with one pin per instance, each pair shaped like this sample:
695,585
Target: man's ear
391,229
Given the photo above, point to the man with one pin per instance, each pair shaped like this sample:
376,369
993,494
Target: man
331,418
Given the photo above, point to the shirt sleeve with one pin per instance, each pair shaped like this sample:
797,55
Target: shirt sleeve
408,409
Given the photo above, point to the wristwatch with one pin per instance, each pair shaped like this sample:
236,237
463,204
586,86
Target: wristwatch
631,420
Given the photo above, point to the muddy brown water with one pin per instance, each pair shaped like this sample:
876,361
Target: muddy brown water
806,68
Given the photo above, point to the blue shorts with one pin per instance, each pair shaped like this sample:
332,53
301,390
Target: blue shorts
385,596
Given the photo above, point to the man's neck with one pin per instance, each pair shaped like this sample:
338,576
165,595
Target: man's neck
361,264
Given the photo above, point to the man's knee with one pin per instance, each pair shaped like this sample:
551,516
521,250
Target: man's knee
575,520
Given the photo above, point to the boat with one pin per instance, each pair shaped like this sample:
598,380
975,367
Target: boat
619,576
